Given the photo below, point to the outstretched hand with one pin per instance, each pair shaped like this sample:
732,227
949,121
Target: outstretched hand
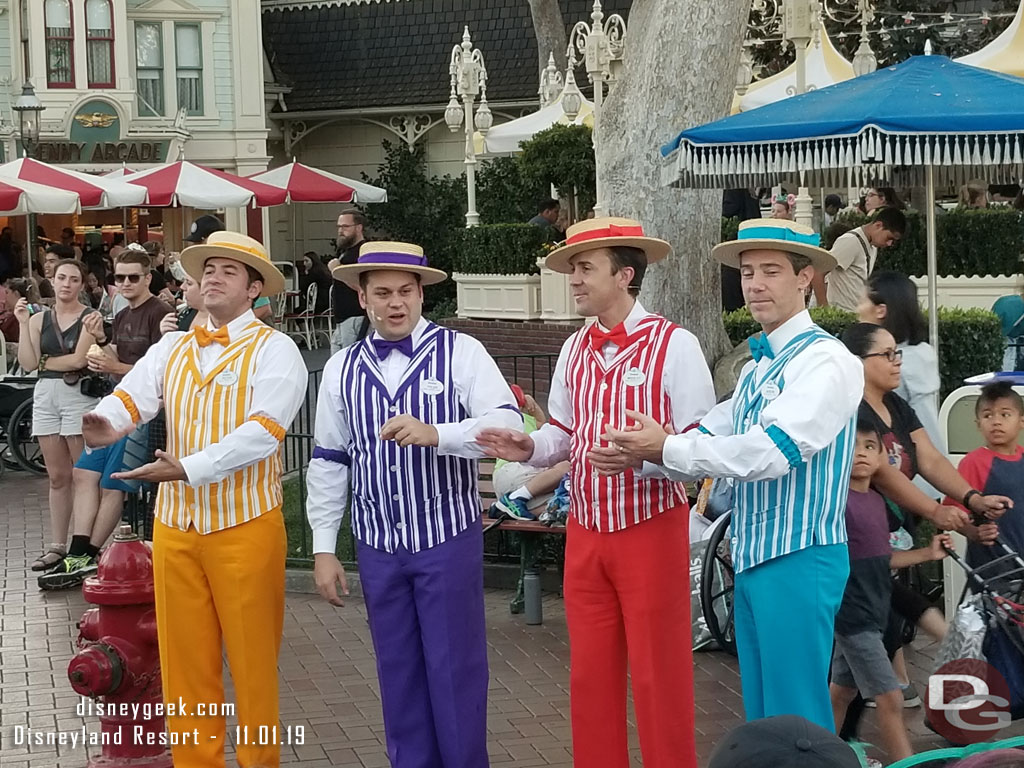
165,469
508,444
98,432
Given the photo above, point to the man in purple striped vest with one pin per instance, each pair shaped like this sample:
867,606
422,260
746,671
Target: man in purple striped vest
397,418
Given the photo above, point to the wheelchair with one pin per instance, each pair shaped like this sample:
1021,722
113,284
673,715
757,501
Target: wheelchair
21,450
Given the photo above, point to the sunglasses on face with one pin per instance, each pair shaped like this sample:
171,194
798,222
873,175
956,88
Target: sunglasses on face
133,279
892,355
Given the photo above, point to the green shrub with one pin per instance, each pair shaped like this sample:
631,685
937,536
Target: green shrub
970,340
500,249
503,195
563,156
988,241
730,229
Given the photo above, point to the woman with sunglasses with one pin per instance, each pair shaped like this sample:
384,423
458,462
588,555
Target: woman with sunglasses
912,453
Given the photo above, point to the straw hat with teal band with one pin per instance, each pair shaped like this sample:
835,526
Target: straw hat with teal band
775,235
380,255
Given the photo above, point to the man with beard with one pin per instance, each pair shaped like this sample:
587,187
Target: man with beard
344,300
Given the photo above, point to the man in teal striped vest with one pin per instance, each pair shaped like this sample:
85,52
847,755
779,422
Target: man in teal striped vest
786,439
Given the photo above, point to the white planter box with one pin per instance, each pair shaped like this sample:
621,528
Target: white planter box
969,292
498,297
556,302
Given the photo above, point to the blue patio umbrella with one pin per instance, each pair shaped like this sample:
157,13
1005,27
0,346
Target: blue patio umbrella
925,118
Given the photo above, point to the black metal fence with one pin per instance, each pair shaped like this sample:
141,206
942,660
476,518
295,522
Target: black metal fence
531,372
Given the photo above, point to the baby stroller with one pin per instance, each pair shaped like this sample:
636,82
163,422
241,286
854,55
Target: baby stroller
989,621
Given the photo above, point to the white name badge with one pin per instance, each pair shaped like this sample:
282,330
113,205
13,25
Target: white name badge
432,387
226,378
634,377
771,390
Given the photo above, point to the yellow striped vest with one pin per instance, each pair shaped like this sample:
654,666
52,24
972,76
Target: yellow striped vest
201,411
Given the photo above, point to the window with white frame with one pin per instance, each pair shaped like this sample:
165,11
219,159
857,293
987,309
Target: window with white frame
188,58
60,43
99,43
149,67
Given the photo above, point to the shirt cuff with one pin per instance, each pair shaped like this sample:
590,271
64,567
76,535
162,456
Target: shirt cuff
449,439
199,470
325,540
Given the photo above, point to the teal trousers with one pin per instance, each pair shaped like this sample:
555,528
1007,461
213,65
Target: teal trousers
785,613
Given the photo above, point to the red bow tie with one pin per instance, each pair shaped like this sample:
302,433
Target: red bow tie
616,336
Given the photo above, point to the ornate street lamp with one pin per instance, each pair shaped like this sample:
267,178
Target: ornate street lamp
601,45
468,79
29,107
551,83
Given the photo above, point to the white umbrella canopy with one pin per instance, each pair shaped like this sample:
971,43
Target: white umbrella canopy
93,191
19,197
505,139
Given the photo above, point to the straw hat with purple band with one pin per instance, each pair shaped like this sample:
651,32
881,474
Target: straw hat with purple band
775,235
605,232
237,247
378,255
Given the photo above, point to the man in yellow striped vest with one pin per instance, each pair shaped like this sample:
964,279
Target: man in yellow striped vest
230,389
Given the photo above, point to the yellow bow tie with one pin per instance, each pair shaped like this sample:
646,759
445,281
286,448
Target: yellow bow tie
205,338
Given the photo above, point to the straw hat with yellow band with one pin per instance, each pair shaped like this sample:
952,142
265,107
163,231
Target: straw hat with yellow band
605,232
775,235
378,255
237,247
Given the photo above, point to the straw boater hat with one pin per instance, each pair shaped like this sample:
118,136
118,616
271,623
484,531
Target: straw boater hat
605,232
382,254
775,235
232,245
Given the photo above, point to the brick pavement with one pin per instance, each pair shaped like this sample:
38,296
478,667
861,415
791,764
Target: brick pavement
327,670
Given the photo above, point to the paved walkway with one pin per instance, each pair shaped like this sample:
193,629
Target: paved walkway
328,678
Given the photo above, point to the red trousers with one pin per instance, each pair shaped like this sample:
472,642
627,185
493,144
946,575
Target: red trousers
627,601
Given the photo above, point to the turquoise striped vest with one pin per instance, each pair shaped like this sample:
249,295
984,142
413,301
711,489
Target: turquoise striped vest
805,507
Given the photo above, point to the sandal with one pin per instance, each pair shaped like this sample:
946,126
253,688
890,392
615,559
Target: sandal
50,559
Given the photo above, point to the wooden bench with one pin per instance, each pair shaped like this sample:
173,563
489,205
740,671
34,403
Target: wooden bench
530,533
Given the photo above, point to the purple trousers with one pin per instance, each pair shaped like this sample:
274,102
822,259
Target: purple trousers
426,613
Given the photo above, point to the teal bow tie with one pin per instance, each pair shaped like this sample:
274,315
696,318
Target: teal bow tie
759,347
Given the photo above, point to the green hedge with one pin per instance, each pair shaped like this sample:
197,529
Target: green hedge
500,249
988,241
970,340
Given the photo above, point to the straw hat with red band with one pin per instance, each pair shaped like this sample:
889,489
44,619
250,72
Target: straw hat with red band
379,255
605,232
237,247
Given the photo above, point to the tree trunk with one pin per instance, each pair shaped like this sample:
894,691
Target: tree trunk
679,70
549,29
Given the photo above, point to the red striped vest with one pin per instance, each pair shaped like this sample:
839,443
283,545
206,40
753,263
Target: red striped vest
600,397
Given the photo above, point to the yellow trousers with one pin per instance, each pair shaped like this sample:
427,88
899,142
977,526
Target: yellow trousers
224,589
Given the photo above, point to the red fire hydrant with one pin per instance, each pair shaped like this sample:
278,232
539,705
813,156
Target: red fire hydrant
117,663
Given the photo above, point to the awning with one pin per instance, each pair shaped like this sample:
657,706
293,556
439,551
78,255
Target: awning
185,183
305,184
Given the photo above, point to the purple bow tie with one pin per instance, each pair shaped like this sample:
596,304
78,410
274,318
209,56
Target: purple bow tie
384,347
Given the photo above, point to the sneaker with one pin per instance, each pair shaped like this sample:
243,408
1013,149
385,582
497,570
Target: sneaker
514,508
910,698
73,570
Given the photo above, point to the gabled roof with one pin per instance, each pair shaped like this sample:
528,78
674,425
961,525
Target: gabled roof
392,54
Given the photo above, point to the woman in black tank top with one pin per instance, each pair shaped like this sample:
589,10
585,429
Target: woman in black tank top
54,343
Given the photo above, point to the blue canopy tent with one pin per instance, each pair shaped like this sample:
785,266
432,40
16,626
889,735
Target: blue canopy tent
924,119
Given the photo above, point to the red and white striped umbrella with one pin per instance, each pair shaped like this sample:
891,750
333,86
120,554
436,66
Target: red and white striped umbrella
305,184
185,183
93,191
19,197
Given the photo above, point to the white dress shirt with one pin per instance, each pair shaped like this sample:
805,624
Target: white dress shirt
481,389
824,385
687,382
278,385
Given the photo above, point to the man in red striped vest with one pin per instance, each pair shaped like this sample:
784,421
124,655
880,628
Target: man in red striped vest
627,594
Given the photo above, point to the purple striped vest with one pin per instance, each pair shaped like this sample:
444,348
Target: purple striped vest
406,497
